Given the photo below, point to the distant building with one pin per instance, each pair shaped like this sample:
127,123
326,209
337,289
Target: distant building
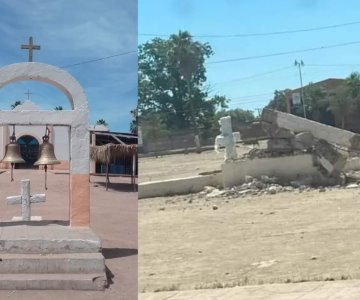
103,137
328,85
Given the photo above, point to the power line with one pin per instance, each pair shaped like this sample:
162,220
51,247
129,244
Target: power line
272,54
332,65
260,33
234,102
254,76
98,59
283,53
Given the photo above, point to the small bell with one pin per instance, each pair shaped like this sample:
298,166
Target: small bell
47,155
12,153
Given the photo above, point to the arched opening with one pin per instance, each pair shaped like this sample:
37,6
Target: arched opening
29,149
76,119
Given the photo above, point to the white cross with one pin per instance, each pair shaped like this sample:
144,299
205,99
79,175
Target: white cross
25,199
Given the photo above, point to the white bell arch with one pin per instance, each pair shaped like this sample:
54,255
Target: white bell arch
76,119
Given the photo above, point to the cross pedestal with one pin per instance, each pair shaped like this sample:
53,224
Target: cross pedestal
25,199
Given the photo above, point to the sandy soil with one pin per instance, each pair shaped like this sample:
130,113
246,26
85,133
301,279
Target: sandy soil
182,165
288,237
113,219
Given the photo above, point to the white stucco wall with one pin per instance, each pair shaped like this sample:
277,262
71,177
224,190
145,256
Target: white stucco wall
61,142
35,131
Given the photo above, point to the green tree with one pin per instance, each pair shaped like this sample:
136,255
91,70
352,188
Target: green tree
239,117
171,82
279,101
152,127
317,104
58,108
16,103
101,122
353,84
340,105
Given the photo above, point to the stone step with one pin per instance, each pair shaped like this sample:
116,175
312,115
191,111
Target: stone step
44,237
49,246
93,281
52,263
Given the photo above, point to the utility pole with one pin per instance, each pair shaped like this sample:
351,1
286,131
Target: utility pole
299,65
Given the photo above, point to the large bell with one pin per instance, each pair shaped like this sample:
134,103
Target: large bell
12,154
47,155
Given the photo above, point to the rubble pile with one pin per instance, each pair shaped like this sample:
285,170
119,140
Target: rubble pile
266,185
287,134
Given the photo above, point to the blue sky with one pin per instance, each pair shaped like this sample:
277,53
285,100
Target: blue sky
244,81
70,32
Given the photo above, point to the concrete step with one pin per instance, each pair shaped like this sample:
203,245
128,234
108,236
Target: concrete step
93,281
52,263
48,246
41,237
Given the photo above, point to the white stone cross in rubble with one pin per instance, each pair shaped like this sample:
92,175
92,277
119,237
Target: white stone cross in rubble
25,199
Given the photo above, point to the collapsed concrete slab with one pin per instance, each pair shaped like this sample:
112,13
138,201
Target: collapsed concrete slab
331,160
331,134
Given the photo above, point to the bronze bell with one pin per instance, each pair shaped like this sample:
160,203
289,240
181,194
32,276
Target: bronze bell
12,154
47,155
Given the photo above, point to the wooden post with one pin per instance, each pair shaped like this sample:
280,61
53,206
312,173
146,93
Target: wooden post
107,176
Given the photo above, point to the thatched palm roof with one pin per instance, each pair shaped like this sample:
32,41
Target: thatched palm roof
109,152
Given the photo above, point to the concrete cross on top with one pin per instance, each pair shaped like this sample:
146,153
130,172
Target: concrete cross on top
30,47
25,199
28,93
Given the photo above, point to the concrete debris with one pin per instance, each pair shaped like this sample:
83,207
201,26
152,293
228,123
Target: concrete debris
248,179
215,193
330,159
352,186
270,185
303,141
208,189
272,189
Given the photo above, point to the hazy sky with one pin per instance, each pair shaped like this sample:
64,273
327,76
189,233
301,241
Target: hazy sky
244,80
71,32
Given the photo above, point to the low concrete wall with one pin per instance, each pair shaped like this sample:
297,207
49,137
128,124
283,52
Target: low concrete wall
286,167
178,186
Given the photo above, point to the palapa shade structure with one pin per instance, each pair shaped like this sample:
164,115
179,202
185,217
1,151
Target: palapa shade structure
107,153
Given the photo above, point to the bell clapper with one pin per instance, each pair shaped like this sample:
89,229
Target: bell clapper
12,168
45,168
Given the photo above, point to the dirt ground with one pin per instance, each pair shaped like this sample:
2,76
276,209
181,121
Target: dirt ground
288,237
182,165
113,219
